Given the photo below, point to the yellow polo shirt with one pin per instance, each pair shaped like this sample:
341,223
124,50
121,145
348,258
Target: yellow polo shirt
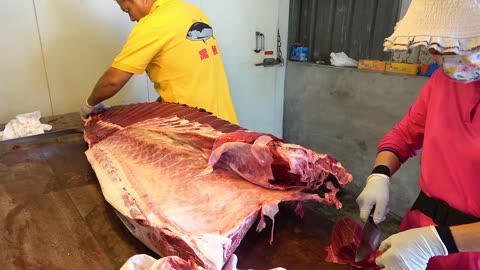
175,45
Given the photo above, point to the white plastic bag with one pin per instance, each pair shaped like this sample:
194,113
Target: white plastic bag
342,60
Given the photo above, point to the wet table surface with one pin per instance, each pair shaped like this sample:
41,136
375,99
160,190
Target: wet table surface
54,215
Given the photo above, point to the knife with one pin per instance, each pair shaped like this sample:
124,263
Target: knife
371,236
48,134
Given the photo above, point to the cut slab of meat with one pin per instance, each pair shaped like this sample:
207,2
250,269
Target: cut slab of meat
345,239
182,181
270,162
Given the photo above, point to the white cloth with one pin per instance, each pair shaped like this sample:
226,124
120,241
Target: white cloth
342,60
145,262
23,125
139,262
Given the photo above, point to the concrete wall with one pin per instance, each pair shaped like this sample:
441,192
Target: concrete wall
344,112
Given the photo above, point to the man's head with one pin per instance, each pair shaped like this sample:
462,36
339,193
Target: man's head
136,9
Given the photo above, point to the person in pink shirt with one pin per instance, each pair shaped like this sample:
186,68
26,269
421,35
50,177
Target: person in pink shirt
442,228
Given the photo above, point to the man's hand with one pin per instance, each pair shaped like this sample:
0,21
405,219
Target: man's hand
86,110
376,193
411,249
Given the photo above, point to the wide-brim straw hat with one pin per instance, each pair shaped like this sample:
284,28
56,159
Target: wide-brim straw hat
448,26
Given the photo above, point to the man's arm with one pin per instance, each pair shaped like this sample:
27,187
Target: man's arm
108,85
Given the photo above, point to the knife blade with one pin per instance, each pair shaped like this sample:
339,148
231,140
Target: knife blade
371,236
48,134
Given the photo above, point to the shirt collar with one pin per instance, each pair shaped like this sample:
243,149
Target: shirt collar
158,3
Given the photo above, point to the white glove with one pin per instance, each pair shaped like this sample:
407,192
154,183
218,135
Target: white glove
231,264
86,110
376,193
411,249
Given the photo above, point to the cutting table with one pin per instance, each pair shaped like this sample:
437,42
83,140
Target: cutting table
54,215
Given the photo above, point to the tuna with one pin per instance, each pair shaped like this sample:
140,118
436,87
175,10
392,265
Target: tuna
189,184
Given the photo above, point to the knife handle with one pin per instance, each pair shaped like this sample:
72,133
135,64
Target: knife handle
370,216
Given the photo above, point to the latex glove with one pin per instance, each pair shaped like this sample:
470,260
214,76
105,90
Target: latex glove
231,264
86,110
376,193
411,249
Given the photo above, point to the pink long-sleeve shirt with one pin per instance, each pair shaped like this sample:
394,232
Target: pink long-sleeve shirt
444,121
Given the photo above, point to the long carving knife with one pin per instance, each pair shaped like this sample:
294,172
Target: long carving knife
48,134
371,236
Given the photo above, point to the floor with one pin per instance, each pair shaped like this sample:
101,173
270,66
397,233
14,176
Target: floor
54,216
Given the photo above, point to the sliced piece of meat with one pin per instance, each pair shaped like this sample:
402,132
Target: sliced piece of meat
345,239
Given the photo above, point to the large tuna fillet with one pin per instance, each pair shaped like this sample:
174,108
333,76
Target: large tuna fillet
188,184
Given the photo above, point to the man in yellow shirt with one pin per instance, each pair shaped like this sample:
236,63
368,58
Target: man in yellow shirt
174,43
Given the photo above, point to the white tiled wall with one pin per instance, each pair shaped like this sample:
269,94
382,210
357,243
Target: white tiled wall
53,52
23,84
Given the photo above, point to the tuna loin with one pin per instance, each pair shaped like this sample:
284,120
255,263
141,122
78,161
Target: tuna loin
345,239
188,184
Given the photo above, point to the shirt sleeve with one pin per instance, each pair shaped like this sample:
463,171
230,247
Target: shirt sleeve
406,137
142,45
